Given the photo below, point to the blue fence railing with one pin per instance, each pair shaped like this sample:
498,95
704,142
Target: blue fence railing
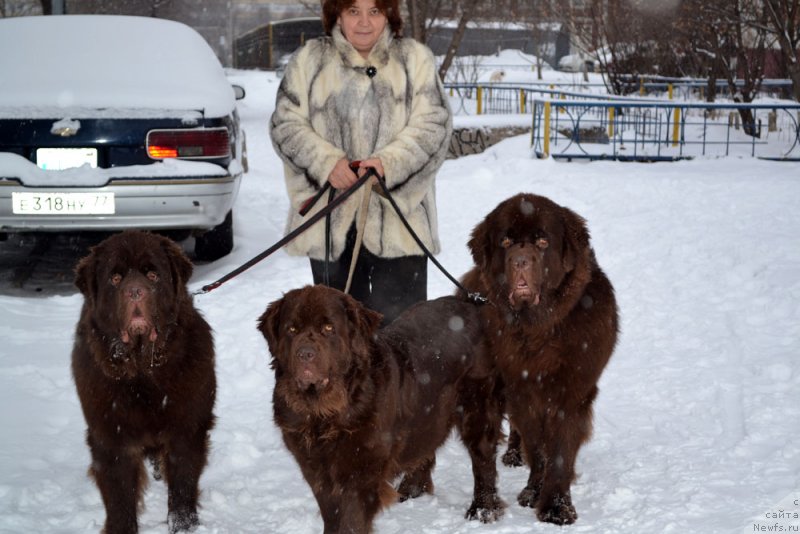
590,124
512,98
508,97
659,131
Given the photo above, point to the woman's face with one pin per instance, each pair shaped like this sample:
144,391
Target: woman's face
362,24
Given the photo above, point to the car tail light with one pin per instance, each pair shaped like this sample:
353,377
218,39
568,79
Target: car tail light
189,144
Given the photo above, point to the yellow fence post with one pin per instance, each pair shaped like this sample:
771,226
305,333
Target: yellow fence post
522,101
610,122
676,127
451,91
270,59
546,135
641,86
669,91
480,100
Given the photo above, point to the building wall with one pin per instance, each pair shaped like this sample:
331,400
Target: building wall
268,46
224,22
219,21
488,41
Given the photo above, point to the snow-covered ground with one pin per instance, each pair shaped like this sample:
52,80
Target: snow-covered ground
698,417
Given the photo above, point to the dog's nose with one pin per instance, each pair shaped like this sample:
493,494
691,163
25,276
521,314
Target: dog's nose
136,293
520,261
306,354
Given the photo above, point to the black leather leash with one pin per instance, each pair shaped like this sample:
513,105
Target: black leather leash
333,203
326,274
475,298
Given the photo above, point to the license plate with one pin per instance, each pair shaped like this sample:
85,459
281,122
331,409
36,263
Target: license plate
57,159
62,203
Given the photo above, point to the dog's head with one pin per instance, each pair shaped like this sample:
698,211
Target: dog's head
133,284
320,340
526,248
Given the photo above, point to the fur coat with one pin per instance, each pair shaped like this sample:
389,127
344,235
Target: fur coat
328,108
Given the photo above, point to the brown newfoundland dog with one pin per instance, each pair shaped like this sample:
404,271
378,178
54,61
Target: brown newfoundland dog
143,363
358,406
552,326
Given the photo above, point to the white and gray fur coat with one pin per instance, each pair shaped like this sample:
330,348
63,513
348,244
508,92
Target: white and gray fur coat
327,108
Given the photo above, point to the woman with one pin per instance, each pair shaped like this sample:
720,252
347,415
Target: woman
361,92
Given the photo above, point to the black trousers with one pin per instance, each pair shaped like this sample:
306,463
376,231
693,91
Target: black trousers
386,285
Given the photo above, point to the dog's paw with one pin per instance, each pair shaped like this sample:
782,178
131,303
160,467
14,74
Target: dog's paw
558,511
488,510
182,521
528,497
415,484
513,458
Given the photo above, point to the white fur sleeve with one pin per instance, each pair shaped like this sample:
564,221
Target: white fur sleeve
293,138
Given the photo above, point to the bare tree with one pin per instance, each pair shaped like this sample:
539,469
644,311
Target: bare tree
19,8
465,70
467,10
616,42
783,17
539,16
422,14
732,36
698,33
750,44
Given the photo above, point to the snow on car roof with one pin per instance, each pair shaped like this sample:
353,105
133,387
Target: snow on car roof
108,61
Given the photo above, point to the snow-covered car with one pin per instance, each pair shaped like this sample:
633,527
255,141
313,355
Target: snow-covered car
115,122
577,63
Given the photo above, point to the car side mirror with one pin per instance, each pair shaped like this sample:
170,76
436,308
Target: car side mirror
238,91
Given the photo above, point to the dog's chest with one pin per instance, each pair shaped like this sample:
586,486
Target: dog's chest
524,354
137,412
335,453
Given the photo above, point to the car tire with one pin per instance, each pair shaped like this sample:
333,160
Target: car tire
217,242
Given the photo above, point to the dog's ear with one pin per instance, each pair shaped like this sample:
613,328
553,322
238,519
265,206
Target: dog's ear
85,277
576,240
364,323
179,264
269,325
480,245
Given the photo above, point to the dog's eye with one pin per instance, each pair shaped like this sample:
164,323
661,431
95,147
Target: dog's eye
542,243
327,329
116,278
506,242
152,276
292,330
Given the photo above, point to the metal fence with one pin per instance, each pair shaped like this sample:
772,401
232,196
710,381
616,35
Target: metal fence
265,46
511,98
664,131
583,123
696,88
507,97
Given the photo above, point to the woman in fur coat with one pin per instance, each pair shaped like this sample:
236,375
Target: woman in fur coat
361,92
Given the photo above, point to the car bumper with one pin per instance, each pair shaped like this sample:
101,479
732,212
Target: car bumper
195,202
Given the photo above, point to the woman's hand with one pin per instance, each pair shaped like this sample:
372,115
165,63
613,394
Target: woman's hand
342,177
372,162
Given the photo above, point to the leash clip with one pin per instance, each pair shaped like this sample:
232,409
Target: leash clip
477,298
